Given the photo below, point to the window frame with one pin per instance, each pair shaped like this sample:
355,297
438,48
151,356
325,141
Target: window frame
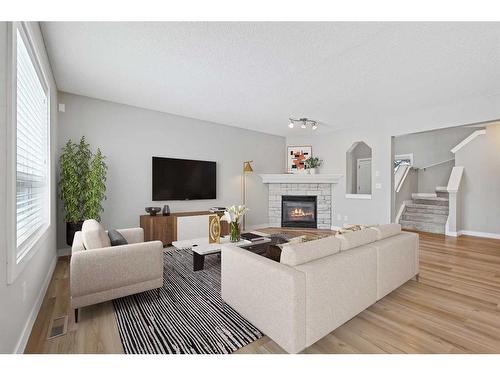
16,262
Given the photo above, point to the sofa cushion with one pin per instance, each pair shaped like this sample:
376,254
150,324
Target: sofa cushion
116,238
351,240
387,230
299,253
94,236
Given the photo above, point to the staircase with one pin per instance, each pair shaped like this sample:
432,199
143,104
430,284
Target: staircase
427,212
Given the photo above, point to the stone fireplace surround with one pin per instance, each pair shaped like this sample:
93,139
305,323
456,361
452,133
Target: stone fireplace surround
320,185
323,192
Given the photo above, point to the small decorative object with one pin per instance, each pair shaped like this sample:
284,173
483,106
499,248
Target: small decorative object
232,216
214,229
296,158
166,210
312,164
153,210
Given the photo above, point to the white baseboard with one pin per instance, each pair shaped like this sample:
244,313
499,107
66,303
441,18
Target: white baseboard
479,234
64,252
334,227
23,340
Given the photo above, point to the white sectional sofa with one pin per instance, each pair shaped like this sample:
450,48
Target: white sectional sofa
318,285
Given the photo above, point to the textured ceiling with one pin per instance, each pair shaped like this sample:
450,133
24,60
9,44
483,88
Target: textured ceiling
256,75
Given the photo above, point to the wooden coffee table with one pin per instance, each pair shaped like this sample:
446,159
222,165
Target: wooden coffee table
201,248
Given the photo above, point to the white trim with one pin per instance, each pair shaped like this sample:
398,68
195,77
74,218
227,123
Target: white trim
455,179
300,178
358,196
401,210
15,265
334,227
23,339
479,234
403,178
468,139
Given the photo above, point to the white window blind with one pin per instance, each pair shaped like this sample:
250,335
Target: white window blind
32,215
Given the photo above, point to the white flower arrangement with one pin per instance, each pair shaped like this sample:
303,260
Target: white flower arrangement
234,213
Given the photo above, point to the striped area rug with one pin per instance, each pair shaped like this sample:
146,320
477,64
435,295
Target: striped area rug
189,317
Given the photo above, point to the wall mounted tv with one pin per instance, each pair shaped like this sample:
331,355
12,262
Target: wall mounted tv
182,179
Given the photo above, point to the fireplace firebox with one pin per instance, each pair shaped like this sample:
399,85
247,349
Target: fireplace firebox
299,211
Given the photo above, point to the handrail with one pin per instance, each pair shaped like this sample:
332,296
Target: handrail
468,139
438,163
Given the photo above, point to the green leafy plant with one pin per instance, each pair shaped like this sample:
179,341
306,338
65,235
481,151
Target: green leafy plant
69,183
313,163
82,183
95,191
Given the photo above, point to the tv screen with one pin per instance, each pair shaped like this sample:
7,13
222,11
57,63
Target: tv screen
182,179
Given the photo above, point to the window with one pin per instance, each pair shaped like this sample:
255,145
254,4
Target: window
31,120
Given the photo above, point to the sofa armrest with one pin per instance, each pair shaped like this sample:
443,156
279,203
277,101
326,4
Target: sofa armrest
97,270
132,235
269,294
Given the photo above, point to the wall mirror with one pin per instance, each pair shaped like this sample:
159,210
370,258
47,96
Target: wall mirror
359,171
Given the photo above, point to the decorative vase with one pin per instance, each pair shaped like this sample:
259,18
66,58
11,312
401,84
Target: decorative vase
166,210
235,234
312,171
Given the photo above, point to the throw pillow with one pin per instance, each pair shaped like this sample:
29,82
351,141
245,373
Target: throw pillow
116,238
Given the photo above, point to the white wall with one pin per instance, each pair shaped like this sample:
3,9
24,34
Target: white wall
332,147
479,198
130,136
20,300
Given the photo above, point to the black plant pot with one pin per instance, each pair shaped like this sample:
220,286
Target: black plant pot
71,229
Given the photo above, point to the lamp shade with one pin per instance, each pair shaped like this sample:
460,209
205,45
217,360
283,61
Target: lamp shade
247,167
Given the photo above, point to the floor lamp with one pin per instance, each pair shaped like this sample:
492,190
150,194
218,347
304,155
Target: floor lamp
247,168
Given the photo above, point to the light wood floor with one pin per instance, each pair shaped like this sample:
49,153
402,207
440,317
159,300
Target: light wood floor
453,309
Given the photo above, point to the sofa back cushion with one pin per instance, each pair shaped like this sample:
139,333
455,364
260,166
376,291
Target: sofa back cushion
299,253
94,236
351,240
387,230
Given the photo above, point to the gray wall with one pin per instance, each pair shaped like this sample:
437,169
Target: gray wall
19,300
479,198
130,136
332,146
409,187
429,148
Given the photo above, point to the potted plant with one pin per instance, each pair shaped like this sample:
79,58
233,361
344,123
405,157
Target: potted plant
312,164
81,185
232,215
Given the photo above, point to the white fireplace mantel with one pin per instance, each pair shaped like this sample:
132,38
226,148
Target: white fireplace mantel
300,178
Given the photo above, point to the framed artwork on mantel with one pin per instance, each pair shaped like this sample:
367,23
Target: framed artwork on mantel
296,156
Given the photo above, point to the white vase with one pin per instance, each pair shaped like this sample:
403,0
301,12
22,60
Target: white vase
312,171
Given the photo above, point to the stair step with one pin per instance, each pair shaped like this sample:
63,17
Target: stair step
434,201
442,189
423,195
427,209
423,227
426,218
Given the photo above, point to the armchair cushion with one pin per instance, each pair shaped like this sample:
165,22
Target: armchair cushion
94,236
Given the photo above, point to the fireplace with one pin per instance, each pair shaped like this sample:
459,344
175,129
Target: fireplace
299,211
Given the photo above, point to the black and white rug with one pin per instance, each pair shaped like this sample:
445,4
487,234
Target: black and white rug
189,316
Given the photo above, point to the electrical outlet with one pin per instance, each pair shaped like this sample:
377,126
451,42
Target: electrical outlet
62,107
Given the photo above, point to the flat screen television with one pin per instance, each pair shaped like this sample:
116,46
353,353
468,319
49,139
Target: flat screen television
182,179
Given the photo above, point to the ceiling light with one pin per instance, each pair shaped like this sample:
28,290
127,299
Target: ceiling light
314,127
304,123
291,125
303,126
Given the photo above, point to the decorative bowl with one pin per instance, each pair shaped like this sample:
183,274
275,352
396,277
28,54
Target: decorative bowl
153,210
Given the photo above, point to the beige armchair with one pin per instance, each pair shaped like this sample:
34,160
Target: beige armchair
100,272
